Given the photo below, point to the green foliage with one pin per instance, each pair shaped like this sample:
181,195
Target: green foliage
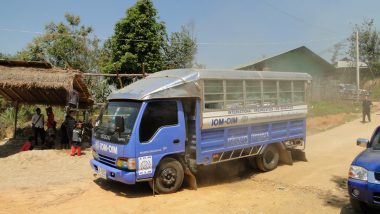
7,118
65,45
375,92
100,89
139,38
321,108
7,56
369,45
181,49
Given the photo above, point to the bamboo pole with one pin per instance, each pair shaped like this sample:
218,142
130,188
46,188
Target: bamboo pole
16,115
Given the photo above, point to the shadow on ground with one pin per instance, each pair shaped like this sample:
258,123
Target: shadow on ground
129,191
215,174
10,147
228,172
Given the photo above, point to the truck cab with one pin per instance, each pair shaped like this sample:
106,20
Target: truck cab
132,137
364,174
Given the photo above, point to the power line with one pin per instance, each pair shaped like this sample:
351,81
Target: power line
198,43
308,24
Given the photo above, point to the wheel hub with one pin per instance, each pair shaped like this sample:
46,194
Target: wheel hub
168,177
268,157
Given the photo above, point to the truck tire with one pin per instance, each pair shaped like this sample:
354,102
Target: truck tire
268,160
168,177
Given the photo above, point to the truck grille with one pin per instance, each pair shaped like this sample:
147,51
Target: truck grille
107,160
377,176
376,197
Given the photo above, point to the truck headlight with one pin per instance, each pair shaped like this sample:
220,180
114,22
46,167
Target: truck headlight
357,172
126,163
95,154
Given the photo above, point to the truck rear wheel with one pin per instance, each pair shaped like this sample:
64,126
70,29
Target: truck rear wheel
168,177
268,160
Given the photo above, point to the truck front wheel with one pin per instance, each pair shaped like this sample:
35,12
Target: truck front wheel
168,177
268,160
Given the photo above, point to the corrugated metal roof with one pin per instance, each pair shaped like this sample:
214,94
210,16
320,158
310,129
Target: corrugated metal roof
185,82
349,64
299,49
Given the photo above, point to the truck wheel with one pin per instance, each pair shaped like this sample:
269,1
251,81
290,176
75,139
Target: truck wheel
168,177
358,206
268,160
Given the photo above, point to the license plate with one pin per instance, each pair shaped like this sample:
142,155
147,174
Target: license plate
102,173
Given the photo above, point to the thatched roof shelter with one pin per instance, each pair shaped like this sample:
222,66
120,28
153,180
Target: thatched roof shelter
40,83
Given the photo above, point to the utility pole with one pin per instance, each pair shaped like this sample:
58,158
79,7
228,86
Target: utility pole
357,62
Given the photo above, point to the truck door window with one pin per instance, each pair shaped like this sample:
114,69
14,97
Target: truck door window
156,115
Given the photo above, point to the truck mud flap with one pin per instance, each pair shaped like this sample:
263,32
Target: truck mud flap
286,157
298,155
190,180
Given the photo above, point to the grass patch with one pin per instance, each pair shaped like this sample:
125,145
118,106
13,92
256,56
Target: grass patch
375,92
322,108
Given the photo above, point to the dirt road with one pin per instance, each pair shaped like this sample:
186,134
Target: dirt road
51,181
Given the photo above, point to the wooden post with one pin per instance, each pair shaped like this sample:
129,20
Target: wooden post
143,69
118,78
16,115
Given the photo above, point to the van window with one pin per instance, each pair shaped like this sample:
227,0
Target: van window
375,140
156,115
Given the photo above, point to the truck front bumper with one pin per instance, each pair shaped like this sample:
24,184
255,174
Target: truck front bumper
114,173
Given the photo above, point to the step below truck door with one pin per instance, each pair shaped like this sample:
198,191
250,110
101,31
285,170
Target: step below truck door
161,132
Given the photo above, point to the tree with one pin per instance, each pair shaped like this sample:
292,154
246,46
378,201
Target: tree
181,50
369,49
138,41
69,45
65,45
7,56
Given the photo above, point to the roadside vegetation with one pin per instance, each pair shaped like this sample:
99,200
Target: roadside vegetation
323,108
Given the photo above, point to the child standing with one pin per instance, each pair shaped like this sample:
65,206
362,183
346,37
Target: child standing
76,140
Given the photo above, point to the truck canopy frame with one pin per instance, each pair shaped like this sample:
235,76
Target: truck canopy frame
182,83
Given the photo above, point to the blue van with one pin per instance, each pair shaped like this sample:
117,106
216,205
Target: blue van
364,174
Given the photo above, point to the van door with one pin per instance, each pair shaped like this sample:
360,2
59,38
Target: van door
161,132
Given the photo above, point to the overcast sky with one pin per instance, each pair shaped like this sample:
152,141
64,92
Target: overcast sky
229,32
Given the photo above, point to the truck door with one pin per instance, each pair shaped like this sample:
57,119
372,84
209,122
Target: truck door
161,132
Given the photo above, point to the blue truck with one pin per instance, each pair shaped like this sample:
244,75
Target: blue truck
364,175
161,128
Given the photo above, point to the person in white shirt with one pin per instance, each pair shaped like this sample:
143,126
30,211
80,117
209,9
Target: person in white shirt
38,126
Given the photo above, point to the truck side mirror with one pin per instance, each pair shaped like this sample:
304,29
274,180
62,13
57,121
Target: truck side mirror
362,142
119,124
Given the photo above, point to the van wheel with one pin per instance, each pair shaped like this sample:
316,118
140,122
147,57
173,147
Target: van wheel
358,206
268,160
168,177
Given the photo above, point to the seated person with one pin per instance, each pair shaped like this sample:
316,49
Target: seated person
28,145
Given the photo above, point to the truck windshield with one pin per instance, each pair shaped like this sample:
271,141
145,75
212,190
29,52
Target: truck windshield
105,125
